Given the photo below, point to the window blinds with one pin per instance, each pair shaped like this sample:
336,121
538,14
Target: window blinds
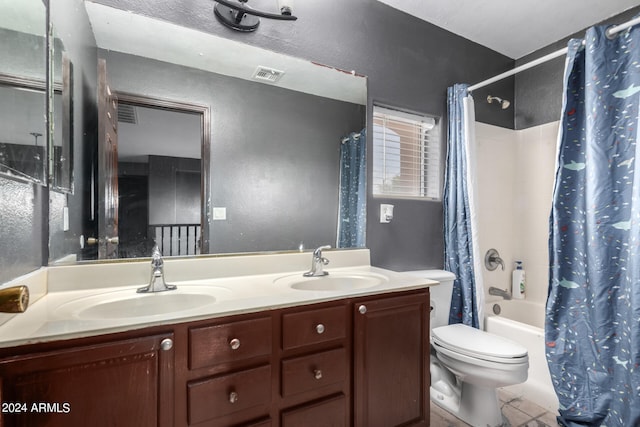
406,155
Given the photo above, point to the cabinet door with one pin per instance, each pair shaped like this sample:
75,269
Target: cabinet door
391,361
120,383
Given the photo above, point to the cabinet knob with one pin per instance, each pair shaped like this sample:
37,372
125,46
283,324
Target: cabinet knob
233,397
362,309
317,374
320,328
166,344
234,344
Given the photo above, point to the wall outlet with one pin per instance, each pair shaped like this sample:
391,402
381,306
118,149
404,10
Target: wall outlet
219,214
386,213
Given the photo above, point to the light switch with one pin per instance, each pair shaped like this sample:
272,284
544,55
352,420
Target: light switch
65,219
219,214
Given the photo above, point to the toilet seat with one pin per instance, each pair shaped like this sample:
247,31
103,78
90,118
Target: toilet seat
468,341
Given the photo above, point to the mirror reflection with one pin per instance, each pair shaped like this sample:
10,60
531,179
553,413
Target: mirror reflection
159,153
22,90
270,178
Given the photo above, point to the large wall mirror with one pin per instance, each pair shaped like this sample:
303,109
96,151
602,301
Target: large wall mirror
214,154
23,90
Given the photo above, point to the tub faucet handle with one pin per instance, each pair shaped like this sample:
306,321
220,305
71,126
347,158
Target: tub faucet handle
492,260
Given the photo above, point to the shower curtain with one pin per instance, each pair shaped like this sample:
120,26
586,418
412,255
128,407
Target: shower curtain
593,308
462,254
352,209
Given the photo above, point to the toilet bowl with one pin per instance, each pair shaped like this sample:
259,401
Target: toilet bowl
467,364
480,362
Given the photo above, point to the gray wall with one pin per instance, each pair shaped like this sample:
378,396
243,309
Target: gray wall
173,197
409,64
21,232
539,90
274,152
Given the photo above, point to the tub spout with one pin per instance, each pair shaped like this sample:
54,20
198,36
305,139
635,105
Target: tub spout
500,292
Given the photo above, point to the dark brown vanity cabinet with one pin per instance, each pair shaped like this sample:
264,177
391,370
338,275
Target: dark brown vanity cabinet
128,382
315,366
230,371
391,360
361,362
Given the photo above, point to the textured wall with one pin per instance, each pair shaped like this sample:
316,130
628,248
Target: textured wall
20,228
539,89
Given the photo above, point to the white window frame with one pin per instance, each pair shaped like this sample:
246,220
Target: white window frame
406,163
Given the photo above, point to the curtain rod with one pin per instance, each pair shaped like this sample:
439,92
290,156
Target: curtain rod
610,32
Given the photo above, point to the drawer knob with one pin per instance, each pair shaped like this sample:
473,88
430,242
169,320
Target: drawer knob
320,328
234,344
317,374
166,344
362,309
233,397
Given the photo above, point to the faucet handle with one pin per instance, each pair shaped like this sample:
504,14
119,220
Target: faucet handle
492,260
156,256
318,251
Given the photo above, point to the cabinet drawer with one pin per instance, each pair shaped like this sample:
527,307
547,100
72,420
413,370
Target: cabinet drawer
313,326
327,413
219,396
317,370
228,342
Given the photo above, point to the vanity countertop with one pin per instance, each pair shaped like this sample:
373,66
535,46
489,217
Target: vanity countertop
110,290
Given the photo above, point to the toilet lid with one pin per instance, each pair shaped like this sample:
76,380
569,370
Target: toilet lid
476,343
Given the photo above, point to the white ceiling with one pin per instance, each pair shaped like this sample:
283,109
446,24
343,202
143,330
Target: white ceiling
513,28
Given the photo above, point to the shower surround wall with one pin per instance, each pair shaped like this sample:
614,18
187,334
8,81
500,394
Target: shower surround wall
516,170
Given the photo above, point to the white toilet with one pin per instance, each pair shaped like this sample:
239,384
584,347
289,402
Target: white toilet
467,364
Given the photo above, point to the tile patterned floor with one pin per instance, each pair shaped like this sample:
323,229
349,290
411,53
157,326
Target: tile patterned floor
519,412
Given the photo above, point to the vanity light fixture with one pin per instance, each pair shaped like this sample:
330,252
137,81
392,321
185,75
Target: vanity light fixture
237,15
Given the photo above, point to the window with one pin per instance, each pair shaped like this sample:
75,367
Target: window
406,155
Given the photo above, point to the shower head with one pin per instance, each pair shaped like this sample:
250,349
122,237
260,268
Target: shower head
504,104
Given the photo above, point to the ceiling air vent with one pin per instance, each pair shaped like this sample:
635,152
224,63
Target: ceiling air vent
267,74
127,114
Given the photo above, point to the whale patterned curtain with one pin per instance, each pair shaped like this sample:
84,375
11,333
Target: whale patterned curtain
352,215
462,254
593,308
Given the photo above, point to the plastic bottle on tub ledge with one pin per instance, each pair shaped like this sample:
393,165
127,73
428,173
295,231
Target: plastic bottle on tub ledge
518,281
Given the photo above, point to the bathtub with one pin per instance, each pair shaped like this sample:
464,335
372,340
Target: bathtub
523,322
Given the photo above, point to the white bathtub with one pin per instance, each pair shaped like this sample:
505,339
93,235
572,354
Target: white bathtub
523,322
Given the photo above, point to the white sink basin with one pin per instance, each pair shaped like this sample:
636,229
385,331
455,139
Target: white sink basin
333,281
127,303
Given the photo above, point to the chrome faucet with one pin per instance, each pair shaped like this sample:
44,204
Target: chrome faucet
500,292
317,263
156,282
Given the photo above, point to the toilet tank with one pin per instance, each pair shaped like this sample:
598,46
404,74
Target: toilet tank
440,294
